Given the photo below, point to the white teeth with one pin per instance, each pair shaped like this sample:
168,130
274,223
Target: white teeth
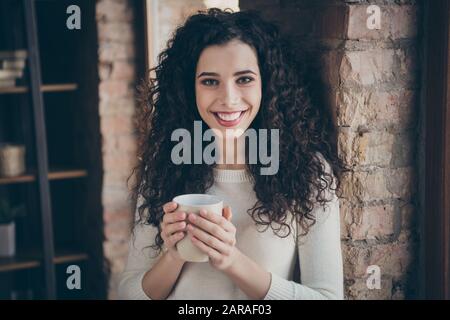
229,116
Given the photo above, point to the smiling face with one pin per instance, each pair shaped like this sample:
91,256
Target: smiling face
228,86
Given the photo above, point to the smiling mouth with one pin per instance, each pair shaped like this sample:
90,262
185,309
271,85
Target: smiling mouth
229,119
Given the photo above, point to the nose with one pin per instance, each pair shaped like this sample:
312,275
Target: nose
230,96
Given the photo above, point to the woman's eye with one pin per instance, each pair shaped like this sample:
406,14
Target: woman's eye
245,80
209,82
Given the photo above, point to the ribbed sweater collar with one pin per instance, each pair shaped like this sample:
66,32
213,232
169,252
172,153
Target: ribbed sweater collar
233,176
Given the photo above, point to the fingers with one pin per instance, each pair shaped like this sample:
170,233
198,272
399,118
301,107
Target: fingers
173,224
211,252
219,220
173,232
209,240
175,227
172,240
170,207
212,228
227,214
174,217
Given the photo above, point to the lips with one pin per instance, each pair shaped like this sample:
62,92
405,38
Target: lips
228,116
229,119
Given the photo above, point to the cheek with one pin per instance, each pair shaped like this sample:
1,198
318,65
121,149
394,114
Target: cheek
201,99
254,97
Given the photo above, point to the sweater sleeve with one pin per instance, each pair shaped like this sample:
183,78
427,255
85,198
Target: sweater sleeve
320,259
141,258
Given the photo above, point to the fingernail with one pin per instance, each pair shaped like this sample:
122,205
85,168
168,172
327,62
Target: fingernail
193,217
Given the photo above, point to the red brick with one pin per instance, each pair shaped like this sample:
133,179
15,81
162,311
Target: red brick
122,70
365,68
404,22
123,106
114,249
111,10
104,70
116,199
116,125
373,222
114,89
117,162
113,51
123,216
118,231
394,259
116,179
357,290
397,22
375,108
121,32
380,184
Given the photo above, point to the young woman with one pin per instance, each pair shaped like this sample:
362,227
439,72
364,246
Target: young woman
234,71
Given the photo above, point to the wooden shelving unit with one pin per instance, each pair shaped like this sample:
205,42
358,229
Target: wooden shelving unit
33,260
53,111
17,263
52,175
44,88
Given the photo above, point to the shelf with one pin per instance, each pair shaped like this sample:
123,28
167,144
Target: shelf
18,263
69,256
45,111
6,90
33,260
18,179
59,87
55,174
44,88
66,174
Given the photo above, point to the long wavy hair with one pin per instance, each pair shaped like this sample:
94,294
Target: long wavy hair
167,100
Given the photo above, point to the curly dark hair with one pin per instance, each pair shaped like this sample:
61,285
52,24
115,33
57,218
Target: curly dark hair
168,102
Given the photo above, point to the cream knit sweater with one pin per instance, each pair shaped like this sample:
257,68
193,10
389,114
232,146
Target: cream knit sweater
318,253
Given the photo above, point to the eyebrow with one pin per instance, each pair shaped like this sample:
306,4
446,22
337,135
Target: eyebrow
216,74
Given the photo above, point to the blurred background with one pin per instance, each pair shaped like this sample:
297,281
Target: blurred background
68,77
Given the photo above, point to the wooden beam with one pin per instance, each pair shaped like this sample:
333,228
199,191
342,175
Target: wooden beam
437,155
41,147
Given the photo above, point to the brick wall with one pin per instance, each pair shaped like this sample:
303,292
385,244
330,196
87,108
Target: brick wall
371,84
117,37
117,66
173,12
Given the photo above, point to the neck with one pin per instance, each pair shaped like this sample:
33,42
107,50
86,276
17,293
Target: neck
232,154
234,166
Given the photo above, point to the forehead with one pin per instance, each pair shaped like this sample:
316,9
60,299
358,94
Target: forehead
228,57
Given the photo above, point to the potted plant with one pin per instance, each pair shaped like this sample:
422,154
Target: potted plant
8,214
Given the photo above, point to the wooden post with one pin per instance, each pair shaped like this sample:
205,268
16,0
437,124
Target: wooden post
41,147
437,156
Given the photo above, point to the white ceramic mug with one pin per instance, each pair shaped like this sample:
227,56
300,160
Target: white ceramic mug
192,203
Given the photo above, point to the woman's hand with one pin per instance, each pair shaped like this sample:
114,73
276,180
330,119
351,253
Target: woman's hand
172,228
214,235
